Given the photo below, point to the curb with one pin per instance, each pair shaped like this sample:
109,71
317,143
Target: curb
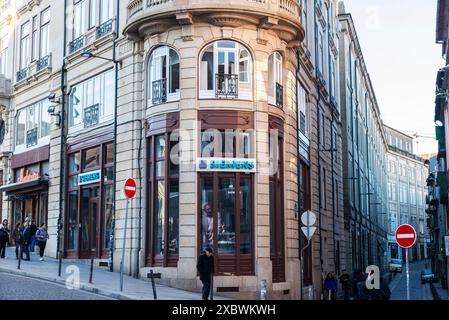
57,280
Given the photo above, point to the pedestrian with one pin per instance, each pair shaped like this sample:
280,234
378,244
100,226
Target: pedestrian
4,238
345,281
25,239
33,230
16,237
41,238
330,286
205,267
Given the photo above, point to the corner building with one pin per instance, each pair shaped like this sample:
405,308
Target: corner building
216,81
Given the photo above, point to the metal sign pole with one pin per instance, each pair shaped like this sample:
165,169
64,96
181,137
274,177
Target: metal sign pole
407,274
123,246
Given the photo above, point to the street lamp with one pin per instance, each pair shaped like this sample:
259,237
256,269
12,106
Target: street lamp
88,55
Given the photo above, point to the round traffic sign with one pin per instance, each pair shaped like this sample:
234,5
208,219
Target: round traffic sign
405,236
130,188
308,218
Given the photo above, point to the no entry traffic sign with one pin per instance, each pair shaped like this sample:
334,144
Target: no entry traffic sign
130,188
405,236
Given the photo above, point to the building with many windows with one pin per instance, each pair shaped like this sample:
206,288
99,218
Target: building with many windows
407,192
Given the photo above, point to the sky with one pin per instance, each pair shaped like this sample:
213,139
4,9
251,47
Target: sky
398,44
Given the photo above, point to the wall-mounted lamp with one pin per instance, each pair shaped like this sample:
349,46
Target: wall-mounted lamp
88,55
52,109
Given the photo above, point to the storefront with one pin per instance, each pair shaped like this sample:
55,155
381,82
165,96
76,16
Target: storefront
28,192
89,205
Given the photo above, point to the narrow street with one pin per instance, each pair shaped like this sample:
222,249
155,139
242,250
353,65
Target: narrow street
14,287
418,291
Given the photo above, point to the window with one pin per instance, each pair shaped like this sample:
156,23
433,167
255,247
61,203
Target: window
275,85
320,61
163,76
225,71
304,5
4,57
32,124
92,13
24,45
34,41
303,113
106,10
413,196
79,18
92,101
45,34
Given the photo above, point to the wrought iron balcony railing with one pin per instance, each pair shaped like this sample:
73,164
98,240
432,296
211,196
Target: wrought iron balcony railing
104,29
279,95
91,116
43,63
159,92
22,74
226,85
76,44
31,137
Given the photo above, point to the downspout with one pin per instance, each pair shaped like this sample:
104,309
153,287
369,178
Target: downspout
298,173
114,55
61,155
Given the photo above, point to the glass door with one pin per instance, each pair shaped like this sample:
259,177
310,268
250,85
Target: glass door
89,222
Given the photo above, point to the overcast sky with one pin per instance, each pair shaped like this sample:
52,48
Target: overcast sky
398,44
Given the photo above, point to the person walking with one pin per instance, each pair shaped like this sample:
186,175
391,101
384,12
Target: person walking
16,237
33,230
25,236
4,238
330,286
345,281
206,267
41,238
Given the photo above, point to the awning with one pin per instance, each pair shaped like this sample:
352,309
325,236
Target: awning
25,186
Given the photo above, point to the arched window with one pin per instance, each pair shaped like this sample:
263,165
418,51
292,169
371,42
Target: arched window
225,71
163,76
275,85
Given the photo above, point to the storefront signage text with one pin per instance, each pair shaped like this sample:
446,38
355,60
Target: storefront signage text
89,177
28,176
226,165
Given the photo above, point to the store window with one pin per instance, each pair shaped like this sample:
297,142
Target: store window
163,76
225,71
92,102
162,247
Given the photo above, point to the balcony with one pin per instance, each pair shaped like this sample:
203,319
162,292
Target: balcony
76,44
91,116
42,63
31,137
279,95
22,74
104,29
148,17
226,85
159,92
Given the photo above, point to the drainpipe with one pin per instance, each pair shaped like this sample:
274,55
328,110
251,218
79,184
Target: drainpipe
61,167
298,174
114,55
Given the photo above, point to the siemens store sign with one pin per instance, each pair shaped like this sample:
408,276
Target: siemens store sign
89,177
226,165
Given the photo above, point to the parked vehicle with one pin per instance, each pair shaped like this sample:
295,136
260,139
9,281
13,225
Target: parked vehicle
427,276
395,265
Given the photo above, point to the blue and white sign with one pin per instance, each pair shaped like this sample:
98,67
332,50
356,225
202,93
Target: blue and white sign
89,177
226,165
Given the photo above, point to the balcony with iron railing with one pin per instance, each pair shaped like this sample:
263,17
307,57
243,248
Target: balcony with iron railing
31,137
104,29
91,116
226,85
76,44
279,95
22,74
266,13
42,63
159,92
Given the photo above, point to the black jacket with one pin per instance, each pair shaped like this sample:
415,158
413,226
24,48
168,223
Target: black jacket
25,237
33,229
205,266
4,235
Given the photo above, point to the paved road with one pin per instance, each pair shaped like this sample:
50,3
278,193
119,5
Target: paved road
418,291
13,287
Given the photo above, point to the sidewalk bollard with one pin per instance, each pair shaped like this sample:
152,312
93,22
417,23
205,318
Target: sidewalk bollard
153,285
20,256
263,290
91,269
212,286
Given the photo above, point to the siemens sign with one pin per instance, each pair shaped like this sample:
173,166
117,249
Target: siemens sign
89,177
226,165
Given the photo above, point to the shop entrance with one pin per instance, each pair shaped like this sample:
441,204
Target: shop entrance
89,226
34,206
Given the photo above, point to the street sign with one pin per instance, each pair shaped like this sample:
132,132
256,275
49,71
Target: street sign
405,236
130,188
308,218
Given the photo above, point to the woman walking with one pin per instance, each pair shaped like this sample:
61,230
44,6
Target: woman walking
42,237
4,238
16,237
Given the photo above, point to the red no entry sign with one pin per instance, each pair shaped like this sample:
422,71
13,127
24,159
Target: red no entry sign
130,188
405,236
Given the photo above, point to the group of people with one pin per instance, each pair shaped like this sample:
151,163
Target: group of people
25,237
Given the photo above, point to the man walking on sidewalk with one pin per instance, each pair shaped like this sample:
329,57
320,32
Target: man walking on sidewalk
25,233
4,238
205,267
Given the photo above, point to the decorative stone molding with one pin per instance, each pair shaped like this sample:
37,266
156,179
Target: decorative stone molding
28,6
227,20
155,27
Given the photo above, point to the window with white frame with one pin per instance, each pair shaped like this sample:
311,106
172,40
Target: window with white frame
44,45
163,76
413,196
79,18
106,10
275,83
305,6
34,40
4,56
92,13
24,45
225,71
303,113
32,125
92,101
320,61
